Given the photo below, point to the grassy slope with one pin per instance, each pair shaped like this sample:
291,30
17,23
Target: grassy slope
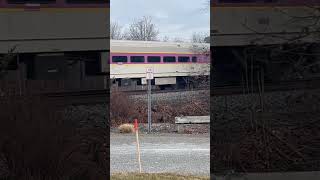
134,176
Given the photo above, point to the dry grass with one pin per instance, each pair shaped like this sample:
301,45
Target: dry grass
38,142
122,108
135,176
164,112
126,128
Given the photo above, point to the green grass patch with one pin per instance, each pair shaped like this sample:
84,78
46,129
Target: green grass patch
156,176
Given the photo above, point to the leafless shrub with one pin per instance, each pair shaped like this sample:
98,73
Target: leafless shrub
126,128
266,142
164,112
121,109
124,110
36,142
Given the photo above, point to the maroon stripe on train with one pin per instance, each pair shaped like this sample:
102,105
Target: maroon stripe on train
201,58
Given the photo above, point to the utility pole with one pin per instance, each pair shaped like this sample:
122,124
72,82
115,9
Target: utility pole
149,77
149,105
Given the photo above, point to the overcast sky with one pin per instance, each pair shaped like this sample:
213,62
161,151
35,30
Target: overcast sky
174,18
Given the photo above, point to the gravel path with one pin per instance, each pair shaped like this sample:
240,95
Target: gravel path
170,153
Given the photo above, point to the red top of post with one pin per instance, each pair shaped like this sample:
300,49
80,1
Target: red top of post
136,124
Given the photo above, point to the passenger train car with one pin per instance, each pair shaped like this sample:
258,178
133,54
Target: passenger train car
173,63
57,40
241,26
250,22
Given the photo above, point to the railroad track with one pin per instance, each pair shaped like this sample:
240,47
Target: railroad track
100,96
105,92
268,87
156,91
79,97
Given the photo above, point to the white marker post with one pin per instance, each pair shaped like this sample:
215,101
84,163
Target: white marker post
138,145
149,76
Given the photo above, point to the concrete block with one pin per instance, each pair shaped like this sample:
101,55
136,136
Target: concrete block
192,119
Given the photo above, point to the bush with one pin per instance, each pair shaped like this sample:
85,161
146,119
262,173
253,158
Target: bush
126,128
38,142
122,108
164,112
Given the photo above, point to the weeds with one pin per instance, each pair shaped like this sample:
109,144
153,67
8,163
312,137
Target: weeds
121,109
38,143
124,109
159,176
126,128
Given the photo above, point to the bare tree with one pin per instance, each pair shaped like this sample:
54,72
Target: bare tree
143,29
115,31
177,39
200,37
165,39
200,41
201,47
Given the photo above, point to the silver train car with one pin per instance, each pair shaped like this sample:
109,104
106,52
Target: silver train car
243,27
262,22
57,40
173,64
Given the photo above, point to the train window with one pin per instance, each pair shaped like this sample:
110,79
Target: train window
30,1
119,59
183,59
169,59
194,59
137,59
154,59
87,1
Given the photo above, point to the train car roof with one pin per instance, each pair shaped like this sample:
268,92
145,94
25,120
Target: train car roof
128,46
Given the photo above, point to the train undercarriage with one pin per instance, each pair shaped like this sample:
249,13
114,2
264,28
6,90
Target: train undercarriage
61,71
167,83
273,63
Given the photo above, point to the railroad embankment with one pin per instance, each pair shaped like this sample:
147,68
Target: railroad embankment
165,107
273,131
